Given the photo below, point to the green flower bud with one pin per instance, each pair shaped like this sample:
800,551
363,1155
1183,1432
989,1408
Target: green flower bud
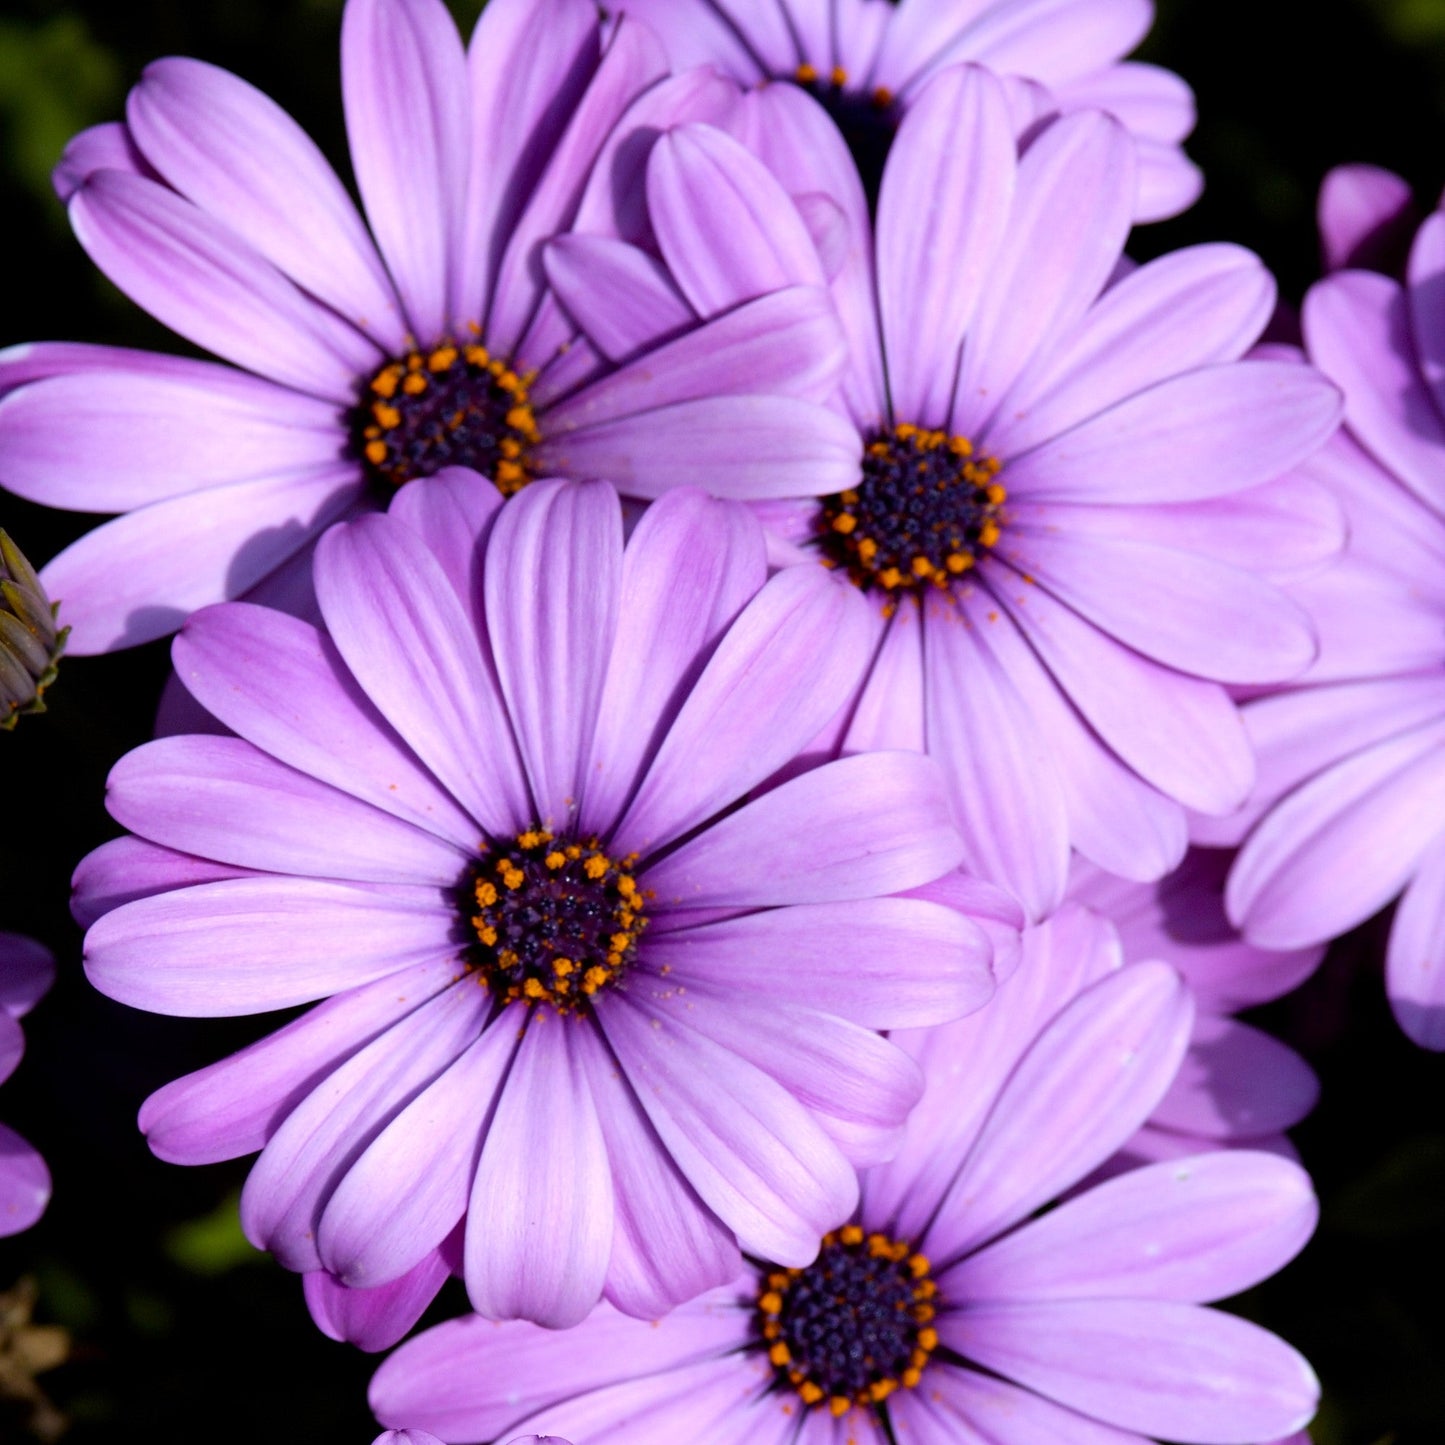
30,645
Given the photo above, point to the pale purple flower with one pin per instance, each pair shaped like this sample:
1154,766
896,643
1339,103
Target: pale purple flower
1083,1325
586,1002
868,60
361,358
27,970
1237,1086
1057,627
1367,217
1351,795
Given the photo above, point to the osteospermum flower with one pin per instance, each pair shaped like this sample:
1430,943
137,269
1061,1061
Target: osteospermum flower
30,642
1351,795
585,1002
27,970
1071,501
868,60
1238,1086
363,358
945,1311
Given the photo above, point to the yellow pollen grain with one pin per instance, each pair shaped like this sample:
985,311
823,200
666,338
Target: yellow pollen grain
918,1265
910,1377
486,933
996,493
513,878
838,76
988,533
805,74
384,383
771,1303
477,356
881,1390
844,522
928,1339
959,562
442,359
386,416
595,867
563,966
922,567
556,859
839,1405
414,384
533,988
810,1392
890,577
376,453
851,1234
882,97
780,1354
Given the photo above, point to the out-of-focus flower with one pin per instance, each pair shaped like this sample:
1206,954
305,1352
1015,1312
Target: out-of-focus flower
27,970
868,60
947,1309
28,1350
581,992
1351,795
1071,507
364,358
1237,1085
1367,218
30,642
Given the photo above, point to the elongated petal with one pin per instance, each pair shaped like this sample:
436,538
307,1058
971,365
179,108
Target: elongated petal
232,1107
881,962
404,83
197,277
752,1152
410,1186
942,212
667,1245
701,186
401,629
1008,801
691,565
1194,1230
27,969
245,945
1414,967
1237,1082
624,299
223,798
745,447
129,868
129,581
539,1225
375,1319
1192,308
447,1378
110,441
1300,879
1074,200
872,824
801,645
552,585
24,1183
1203,617
282,685
307,1157
1162,1368
1089,1080
1208,433
243,160
1366,216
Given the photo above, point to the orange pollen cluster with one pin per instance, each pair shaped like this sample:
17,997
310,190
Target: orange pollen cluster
837,80
926,507
455,405
854,1326
555,921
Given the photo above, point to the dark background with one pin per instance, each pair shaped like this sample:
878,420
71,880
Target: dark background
180,1331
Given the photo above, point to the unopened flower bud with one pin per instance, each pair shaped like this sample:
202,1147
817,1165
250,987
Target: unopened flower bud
30,645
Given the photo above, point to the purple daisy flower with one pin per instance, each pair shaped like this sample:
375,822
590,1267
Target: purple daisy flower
27,969
362,358
593,1019
943,1310
1352,761
867,61
1104,499
1238,1086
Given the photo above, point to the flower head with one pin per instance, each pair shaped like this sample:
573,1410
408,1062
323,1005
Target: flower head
1351,792
30,643
947,1307
363,355
867,62
26,972
1072,496
594,1017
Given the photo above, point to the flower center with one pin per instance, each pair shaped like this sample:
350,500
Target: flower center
554,921
867,119
854,1325
454,406
926,508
